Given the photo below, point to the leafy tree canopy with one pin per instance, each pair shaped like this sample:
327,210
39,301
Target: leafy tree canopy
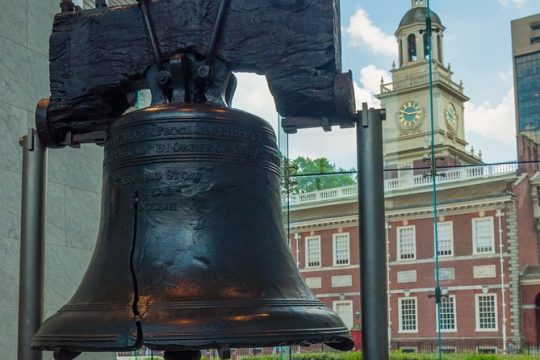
323,175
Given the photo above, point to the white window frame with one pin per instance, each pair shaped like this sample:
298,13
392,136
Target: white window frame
448,349
344,302
400,315
334,247
398,242
453,297
451,225
307,239
477,312
486,347
492,235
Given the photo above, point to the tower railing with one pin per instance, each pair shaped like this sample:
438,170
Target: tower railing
419,79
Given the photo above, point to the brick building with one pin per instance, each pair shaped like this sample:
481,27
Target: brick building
486,221
488,255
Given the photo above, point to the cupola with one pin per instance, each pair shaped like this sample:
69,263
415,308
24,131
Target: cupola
412,36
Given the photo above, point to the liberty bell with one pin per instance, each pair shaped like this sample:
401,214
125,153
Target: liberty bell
191,252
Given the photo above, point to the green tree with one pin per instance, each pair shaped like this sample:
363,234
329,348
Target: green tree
316,174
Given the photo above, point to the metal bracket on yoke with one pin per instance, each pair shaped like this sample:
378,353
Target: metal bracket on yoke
344,113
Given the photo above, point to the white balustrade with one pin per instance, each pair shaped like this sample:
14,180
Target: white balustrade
406,182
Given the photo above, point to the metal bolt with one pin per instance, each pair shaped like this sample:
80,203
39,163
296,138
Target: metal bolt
204,71
163,77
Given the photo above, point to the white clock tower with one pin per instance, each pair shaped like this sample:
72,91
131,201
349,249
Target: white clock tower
407,130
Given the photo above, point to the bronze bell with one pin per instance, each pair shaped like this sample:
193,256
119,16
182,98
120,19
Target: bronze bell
191,251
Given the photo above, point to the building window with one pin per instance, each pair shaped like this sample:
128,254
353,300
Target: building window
486,312
445,235
344,309
439,48
483,235
448,313
448,350
411,47
486,349
426,46
341,249
313,251
406,236
408,320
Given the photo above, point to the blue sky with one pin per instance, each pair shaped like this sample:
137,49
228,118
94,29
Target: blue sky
477,44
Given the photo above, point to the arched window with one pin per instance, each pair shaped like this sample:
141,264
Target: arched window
400,53
439,49
426,46
411,45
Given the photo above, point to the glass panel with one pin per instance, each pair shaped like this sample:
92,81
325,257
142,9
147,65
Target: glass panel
461,188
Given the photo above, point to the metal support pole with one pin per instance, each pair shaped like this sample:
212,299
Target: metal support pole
34,181
372,234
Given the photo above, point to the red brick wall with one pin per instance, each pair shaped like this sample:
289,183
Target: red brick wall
526,227
530,303
425,267
465,317
528,150
462,228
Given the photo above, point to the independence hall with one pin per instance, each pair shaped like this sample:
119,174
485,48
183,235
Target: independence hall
487,218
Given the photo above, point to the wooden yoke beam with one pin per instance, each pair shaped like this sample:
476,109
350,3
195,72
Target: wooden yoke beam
99,56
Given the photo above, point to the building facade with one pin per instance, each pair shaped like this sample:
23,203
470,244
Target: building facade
526,60
488,251
486,220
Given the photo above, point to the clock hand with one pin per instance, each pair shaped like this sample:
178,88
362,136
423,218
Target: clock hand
408,112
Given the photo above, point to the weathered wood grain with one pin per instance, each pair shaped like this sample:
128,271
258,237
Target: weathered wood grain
99,55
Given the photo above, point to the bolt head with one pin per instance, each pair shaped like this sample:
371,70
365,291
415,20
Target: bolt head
163,77
204,71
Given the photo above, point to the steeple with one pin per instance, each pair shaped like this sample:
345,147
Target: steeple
412,36
407,97
418,3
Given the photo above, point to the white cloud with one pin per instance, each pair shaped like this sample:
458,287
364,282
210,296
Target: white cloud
507,76
252,95
339,145
362,31
370,85
516,3
370,77
494,125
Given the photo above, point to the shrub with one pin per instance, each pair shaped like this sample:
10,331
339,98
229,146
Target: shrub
393,356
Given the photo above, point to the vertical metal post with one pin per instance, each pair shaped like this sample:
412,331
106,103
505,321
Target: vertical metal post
372,234
34,180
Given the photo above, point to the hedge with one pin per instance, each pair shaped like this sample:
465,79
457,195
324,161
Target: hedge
394,356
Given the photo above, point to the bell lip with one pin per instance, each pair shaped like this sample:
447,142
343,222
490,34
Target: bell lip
337,341
341,343
346,343
52,337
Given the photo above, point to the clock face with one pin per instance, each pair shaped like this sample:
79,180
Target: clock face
451,116
409,114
